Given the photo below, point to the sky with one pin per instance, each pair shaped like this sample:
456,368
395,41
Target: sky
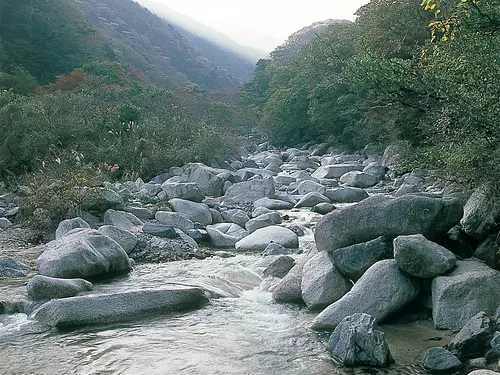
262,24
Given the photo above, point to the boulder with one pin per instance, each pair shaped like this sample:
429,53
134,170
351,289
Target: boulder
422,258
346,195
406,188
390,217
83,253
118,307
440,361
102,199
470,288
356,341
354,260
121,219
376,169
225,234
174,220
311,200
280,267
322,283
262,221
206,178
273,204
474,338
44,288
289,288
258,240
484,372
235,216
125,239
383,290
284,180
487,251
309,186
140,212
196,212
250,191
359,179
275,249
394,155
68,225
12,267
323,208
480,213
188,190
335,171
5,223
159,230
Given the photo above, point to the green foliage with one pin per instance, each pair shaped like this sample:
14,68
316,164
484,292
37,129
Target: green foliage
425,74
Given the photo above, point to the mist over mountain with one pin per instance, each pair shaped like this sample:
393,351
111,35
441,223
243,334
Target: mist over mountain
225,52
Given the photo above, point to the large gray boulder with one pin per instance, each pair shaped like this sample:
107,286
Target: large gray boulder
354,260
346,195
322,283
101,200
470,288
121,219
250,191
275,249
381,215
196,212
206,178
383,290
118,307
262,221
258,240
335,171
174,220
440,361
83,253
376,169
183,190
474,338
359,179
484,372
125,239
235,216
225,234
480,213
68,225
357,342
43,288
422,258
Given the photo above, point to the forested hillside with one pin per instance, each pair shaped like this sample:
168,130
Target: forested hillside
112,85
423,75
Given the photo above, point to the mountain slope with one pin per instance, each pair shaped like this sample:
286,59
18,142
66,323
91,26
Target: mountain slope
146,43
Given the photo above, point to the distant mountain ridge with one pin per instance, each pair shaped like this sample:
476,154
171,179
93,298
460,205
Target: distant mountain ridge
147,43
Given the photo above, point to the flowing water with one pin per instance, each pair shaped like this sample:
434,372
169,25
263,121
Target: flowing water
241,333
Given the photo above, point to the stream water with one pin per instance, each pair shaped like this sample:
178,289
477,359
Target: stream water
241,333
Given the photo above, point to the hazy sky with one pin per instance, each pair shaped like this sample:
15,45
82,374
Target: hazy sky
262,24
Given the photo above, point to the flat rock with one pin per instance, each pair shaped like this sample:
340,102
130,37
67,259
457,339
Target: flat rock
118,307
273,204
383,290
346,195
